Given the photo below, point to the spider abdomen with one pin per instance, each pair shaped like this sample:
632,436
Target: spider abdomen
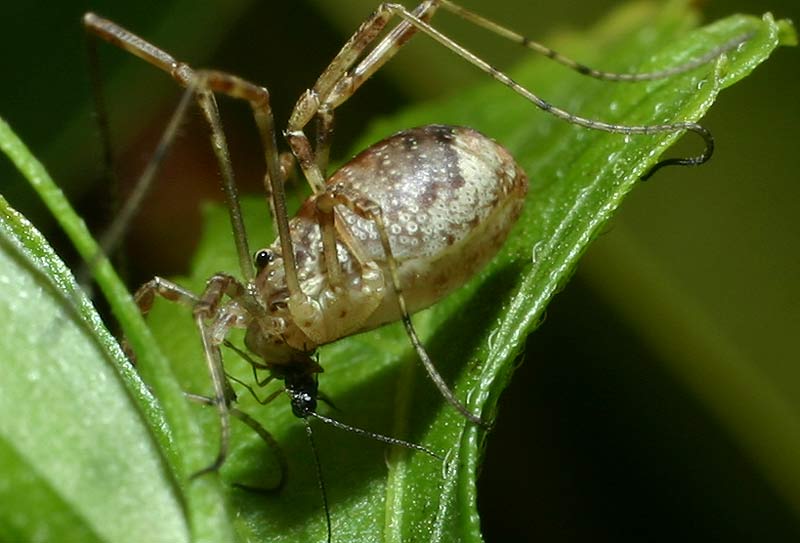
448,197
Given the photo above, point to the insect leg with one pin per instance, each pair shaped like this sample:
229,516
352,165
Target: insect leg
351,80
315,102
370,210
203,308
324,133
186,77
583,69
344,61
145,295
206,309
213,326
204,83
265,436
347,307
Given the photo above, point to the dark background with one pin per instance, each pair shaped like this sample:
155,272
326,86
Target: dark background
617,427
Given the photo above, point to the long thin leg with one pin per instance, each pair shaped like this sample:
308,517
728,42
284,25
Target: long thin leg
203,308
183,74
583,69
205,83
112,237
215,369
265,436
338,82
206,309
342,62
145,295
324,135
316,102
368,209
213,326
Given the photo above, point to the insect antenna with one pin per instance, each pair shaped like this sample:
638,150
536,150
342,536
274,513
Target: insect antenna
372,435
320,479
361,432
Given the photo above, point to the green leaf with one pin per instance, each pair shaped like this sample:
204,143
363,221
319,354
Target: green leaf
71,435
578,178
176,436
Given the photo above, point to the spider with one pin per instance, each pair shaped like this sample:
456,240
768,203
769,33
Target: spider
394,230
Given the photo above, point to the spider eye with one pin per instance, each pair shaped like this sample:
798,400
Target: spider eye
263,257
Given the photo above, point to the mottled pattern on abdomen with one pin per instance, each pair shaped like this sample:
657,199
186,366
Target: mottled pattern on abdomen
449,196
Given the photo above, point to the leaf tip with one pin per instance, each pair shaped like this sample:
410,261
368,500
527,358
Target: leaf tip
787,34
